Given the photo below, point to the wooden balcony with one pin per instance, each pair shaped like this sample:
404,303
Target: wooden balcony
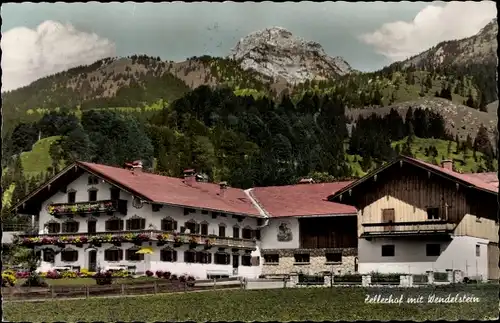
137,236
86,208
404,229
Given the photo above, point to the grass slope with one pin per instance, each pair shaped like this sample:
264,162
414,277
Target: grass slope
314,304
38,159
465,164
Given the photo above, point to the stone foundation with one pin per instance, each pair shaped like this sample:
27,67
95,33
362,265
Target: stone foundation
316,265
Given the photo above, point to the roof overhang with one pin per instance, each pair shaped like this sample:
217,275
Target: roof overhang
331,215
31,203
400,160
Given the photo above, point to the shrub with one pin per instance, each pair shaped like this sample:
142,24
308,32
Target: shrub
182,279
34,280
120,274
22,274
385,278
190,281
53,274
167,275
173,277
8,279
349,278
149,273
103,278
159,273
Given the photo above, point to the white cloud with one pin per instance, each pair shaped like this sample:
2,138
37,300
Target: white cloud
52,47
400,39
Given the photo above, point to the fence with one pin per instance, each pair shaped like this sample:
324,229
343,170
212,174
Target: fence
142,288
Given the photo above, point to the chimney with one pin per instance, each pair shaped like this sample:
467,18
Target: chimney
447,164
137,166
223,187
189,176
306,181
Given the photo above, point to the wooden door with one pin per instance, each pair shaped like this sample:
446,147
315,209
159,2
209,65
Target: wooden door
388,216
493,255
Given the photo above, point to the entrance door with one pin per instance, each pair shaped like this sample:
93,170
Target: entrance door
236,263
493,269
92,260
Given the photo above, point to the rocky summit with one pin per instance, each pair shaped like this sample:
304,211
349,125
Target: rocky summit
277,53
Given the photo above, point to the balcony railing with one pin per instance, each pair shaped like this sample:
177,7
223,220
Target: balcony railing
85,208
407,228
137,236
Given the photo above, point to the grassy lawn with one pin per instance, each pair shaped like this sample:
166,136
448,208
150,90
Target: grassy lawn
315,304
38,159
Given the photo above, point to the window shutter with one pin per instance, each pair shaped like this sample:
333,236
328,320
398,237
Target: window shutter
107,225
253,234
197,228
255,261
257,234
128,224
64,226
77,224
58,227
209,258
174,255
175,225
143,223
120,254
121,225
164,225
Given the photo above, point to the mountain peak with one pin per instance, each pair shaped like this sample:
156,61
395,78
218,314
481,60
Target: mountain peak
277,53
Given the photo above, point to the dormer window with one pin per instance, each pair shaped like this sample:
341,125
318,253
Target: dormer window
71,196
92,195
93,180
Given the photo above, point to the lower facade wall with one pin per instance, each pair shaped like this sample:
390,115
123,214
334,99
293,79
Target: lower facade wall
316,265
152,262
410,256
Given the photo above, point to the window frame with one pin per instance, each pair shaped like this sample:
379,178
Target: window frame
219,255
69,251
75,225
172,255
92,195
302,258
271,256
71,197
433,213
118,251
132,255
331,257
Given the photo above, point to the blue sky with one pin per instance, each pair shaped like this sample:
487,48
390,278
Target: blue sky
368,35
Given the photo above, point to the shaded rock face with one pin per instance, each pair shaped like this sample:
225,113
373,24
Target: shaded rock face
276,53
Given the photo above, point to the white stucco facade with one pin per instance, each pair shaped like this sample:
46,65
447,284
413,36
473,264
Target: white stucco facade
269,234
153,221
410,256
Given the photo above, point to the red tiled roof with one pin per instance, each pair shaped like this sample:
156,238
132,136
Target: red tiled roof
472,179
301,200
490,178
171,190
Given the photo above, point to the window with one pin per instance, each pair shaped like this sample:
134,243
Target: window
114,224
388,215
113,254
246,233
271,259
333,257
132,255
433,213
204,212
191,225
53,227
388,251
246,260
203,257
189,256
136,223
92,226
114,193
222,231
49,255
72,197
156,207
204,229
222,258
432,250
93,180
69,255
92,195
236,232
478,250
70,227
302,258
257,234
168,224
168,255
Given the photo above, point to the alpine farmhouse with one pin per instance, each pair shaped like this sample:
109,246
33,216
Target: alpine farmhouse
407,216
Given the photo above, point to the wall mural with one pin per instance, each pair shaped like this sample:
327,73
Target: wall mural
284,232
